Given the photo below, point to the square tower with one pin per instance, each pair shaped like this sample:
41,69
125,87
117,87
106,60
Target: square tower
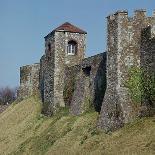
64,46
125,51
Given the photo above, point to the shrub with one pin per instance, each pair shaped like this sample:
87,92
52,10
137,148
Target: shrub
141,85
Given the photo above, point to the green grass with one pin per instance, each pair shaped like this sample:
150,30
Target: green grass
24,131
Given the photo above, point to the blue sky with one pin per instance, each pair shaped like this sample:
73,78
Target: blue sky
24,23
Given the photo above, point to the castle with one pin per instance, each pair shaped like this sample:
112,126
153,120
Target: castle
65,78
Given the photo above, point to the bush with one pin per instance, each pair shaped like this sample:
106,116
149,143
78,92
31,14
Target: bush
134,84
141,85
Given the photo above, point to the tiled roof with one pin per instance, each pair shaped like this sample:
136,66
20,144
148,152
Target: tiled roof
69,28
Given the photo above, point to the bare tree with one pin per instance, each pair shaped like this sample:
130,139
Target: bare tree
7,95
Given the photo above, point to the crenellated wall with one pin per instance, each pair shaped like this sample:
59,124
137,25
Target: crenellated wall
124,52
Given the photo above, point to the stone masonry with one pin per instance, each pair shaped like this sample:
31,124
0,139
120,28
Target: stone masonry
124,51
90,85
66,78
55,60
148,66
29,80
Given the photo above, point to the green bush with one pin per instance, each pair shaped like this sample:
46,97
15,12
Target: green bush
140,85
134,84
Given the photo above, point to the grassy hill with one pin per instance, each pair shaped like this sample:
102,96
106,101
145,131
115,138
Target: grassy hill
23,130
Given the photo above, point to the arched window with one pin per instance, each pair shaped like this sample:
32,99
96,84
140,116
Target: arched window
72,48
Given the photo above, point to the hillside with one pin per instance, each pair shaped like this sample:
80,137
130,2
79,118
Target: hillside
23,130
3,108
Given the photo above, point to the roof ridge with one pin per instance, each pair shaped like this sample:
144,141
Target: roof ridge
68,27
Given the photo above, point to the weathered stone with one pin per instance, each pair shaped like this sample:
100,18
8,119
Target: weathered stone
124,51
29,80
90,85
55,61
67,78
70,78
148,66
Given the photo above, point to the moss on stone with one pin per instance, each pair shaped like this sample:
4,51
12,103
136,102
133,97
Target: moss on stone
142,90
138,84
134,84
68,90
86,106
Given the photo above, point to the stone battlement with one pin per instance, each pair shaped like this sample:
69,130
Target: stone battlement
137,13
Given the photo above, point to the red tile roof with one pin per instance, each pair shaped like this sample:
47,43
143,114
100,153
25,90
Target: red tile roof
69,28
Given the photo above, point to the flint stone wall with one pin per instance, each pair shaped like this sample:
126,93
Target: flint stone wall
47,64
42,76
53,67
124,50
29,80
78,83
148,67
70,77
90,84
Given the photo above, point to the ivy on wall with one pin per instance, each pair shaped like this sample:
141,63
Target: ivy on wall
134,84
141,85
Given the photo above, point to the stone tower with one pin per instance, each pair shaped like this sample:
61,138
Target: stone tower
124,51
64,46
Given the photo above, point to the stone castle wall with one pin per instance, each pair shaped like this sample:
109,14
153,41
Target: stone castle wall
47,64
90,84
29,80
42,76
148,66
99,81
124,52
53,67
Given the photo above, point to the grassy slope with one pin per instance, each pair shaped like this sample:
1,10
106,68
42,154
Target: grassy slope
23,130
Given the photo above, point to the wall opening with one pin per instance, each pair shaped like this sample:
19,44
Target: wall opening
72,48
87,70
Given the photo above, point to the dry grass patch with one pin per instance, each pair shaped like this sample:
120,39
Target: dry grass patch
24,131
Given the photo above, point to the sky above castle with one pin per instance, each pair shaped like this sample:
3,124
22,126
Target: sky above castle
24,23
